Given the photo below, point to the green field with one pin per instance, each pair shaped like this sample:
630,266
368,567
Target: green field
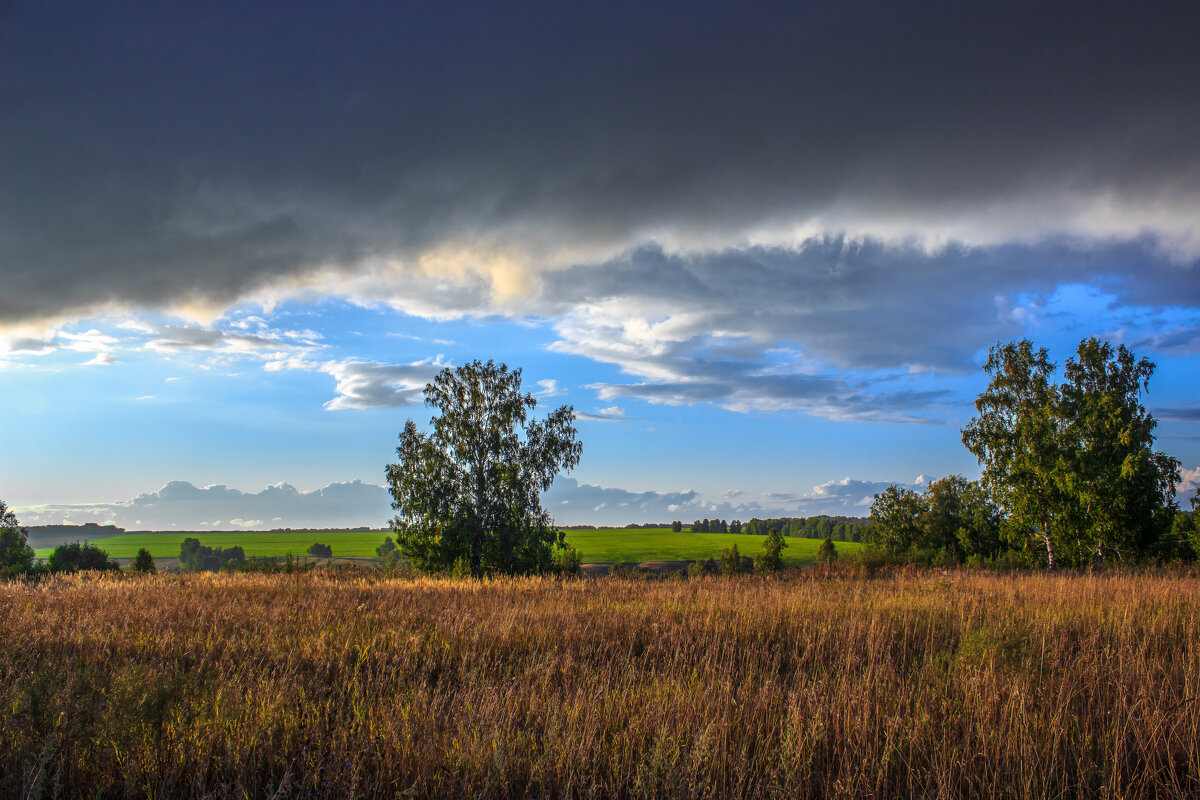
614,545
255,543
661,544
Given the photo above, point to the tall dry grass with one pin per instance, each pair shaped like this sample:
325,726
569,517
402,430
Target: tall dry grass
824,685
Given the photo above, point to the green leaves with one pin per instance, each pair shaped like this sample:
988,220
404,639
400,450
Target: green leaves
471,488
1072,463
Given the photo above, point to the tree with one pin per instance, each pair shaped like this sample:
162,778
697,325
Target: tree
676,526
144,562
827,552
771,559
1072,464
894,515
471,488
731,561
1016,438
195,556
16,556
76,557
319,550
1122,491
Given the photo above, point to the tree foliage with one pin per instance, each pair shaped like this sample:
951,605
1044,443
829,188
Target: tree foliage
470,490
77,557
827,552
951,521
197,557
771,559
144,562
731,561
16,556
1072,465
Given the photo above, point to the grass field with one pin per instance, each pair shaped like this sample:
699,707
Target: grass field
166,545
661,544
821,684
624,544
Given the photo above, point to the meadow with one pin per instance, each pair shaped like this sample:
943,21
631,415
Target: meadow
605,545
823,683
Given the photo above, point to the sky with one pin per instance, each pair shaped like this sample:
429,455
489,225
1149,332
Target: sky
761,248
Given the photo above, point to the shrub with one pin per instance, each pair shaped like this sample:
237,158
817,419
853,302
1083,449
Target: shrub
568,560
706,566
144,563
827,553
196,557
731,561
771,559
319,550
76,557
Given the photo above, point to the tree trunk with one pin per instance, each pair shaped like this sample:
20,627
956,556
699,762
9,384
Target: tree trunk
477,534
1049,543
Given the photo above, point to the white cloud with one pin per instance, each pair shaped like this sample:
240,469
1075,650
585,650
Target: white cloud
182,506
547,388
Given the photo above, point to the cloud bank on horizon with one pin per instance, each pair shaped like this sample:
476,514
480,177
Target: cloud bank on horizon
824,208
180,505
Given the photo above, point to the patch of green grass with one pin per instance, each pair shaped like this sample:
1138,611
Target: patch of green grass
662,544
255,543
614,545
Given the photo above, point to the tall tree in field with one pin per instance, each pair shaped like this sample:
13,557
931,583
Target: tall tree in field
470,490
1017,438
1123,492
1073,463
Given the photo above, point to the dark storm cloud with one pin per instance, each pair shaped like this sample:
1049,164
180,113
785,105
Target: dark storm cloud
156,154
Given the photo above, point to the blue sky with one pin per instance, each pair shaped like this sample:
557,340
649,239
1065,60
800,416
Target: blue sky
762,251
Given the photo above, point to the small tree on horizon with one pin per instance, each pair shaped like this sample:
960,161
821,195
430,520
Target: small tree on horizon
827,552
143,564
731,561
771,559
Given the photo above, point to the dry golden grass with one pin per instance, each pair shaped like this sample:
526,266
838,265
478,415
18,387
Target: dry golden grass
819,685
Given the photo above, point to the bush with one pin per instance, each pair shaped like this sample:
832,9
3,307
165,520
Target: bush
387,548
702,567
76,557
568,560
731,561
144,563
16,556
196,557
771,559
827,553
319,550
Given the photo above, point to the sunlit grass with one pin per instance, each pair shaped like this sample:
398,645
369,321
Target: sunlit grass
826,684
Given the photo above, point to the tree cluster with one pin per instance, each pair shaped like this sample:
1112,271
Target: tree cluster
1069,471
821,526
319,550
951,521
196,557
711,526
